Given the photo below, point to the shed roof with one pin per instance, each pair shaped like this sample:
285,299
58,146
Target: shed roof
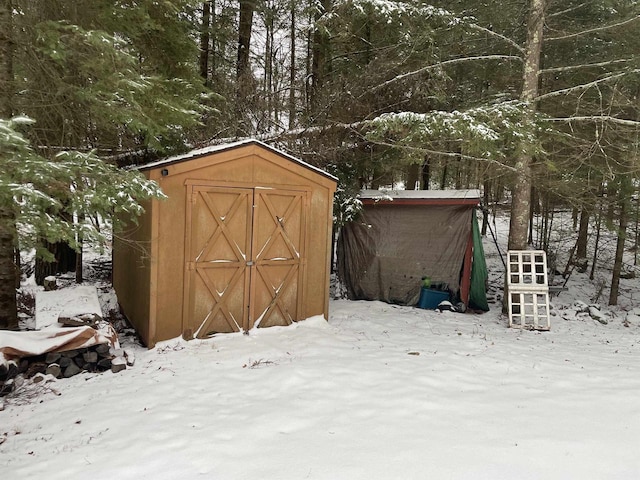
201,152
421,197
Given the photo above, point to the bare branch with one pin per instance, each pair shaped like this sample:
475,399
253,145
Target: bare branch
562,12
586,65
445,154
585,86
442,64
592,30
598,118
498,35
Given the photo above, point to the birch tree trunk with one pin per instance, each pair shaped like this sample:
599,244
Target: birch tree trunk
521,190
8,271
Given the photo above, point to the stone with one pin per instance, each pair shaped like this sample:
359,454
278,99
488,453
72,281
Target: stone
24,365
79,361
35,367
104,363
38,378
71,370
85,319
55,370
90,357
628,274
597,315
52,357
118,364
103,349
19,381
13,369
50,283
131,358
64,362
7,387
116,352
70,353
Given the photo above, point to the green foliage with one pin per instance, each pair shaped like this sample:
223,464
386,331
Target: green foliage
487,132
111,77
51,197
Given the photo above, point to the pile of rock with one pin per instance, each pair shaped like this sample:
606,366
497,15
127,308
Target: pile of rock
98,358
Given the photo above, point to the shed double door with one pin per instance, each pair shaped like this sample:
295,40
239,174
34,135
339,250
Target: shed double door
245,259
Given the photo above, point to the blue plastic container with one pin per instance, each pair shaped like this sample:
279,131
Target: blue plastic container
430,299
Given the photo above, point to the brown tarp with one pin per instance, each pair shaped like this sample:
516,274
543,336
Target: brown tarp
386,252
29,343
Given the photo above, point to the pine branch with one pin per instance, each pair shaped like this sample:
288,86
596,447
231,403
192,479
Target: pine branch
593,30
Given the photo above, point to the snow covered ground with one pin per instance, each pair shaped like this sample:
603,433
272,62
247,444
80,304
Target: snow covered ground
378,392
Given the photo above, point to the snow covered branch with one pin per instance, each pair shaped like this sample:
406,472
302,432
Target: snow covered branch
598,118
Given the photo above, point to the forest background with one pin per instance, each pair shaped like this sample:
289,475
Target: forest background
536,102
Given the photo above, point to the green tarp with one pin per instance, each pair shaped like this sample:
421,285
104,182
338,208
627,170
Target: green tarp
479,274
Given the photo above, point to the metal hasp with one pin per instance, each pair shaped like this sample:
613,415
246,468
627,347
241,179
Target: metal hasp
528,290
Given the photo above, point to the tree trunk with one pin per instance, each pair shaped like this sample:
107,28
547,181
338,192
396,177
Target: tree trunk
596,243
205,41
243,66
8,236
6,58
583,235
532,212
617,264
443,179
247,8
413,176
486,195
8,273
521,190
426,174
292,68
268,64
65,261
320,54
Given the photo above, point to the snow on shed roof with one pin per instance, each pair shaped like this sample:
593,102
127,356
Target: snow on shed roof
420,197
201,152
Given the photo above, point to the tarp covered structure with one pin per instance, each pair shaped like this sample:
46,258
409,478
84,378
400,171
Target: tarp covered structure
402,236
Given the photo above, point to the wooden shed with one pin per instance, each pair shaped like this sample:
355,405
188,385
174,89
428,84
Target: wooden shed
242,241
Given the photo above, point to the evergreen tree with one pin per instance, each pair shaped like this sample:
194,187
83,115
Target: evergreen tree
99,77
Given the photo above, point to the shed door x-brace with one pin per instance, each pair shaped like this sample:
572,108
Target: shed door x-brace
245,258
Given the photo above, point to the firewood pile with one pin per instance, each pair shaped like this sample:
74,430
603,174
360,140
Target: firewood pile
98,358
